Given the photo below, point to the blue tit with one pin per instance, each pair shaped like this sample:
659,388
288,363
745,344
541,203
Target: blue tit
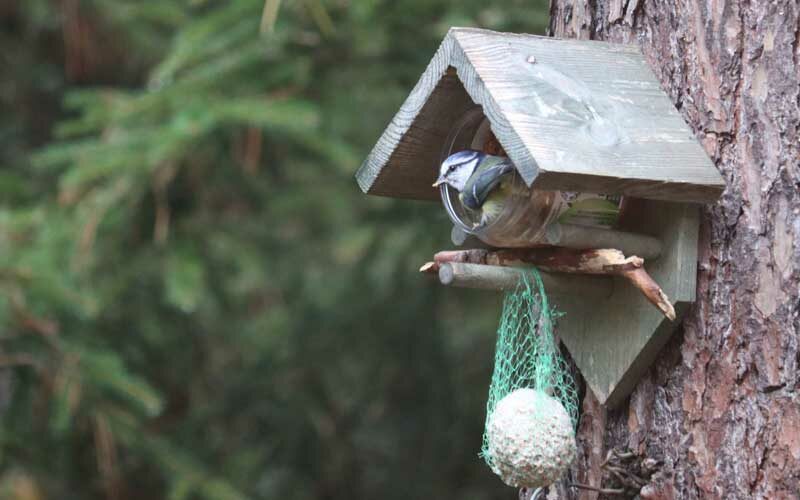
483,182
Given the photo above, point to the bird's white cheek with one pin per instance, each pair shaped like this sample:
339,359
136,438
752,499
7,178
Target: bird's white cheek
460,181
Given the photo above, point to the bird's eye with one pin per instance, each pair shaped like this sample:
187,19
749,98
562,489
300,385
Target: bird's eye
452,167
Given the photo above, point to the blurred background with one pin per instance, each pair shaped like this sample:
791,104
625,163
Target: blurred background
197,302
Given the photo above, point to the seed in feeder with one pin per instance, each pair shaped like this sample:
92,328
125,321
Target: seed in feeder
531,440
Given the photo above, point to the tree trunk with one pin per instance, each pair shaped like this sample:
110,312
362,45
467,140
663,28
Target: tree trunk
720,411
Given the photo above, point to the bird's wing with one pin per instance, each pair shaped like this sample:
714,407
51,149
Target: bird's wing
482,182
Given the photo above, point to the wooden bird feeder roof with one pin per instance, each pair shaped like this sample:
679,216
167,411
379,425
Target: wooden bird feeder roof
572,115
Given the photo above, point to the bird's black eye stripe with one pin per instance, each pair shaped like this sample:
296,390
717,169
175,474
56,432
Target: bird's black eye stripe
465,162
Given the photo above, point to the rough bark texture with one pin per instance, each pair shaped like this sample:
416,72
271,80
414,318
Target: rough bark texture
720,410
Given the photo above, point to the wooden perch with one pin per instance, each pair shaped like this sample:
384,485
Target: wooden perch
560,260
580,237
563,260
467,275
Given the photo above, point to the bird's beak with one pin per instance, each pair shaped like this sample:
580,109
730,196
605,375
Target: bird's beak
438,182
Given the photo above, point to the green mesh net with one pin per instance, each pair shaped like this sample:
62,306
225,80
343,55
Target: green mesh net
527,356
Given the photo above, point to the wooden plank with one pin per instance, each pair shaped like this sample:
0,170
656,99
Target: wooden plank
637,188
572,115
419,153
614,342
405,161
584,110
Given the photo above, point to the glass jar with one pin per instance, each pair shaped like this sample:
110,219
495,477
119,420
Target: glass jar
526,212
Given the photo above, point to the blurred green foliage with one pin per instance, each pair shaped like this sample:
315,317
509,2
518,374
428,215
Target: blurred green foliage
197,301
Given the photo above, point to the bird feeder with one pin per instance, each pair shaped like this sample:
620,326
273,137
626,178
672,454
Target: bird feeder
571,115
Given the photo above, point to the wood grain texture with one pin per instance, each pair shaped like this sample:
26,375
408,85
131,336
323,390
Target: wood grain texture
573,115
720,408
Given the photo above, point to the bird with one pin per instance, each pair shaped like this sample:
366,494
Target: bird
483,182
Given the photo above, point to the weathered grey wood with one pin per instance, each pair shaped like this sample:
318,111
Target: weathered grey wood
576,115
485,277
413,142
614,342
581,237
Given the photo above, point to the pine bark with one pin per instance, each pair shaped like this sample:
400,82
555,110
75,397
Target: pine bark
719,415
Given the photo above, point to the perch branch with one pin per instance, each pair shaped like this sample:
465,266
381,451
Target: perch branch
482,276
564,260
571,236
557,260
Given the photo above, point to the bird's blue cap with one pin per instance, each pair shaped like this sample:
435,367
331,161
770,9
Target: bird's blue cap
456,159
464,156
